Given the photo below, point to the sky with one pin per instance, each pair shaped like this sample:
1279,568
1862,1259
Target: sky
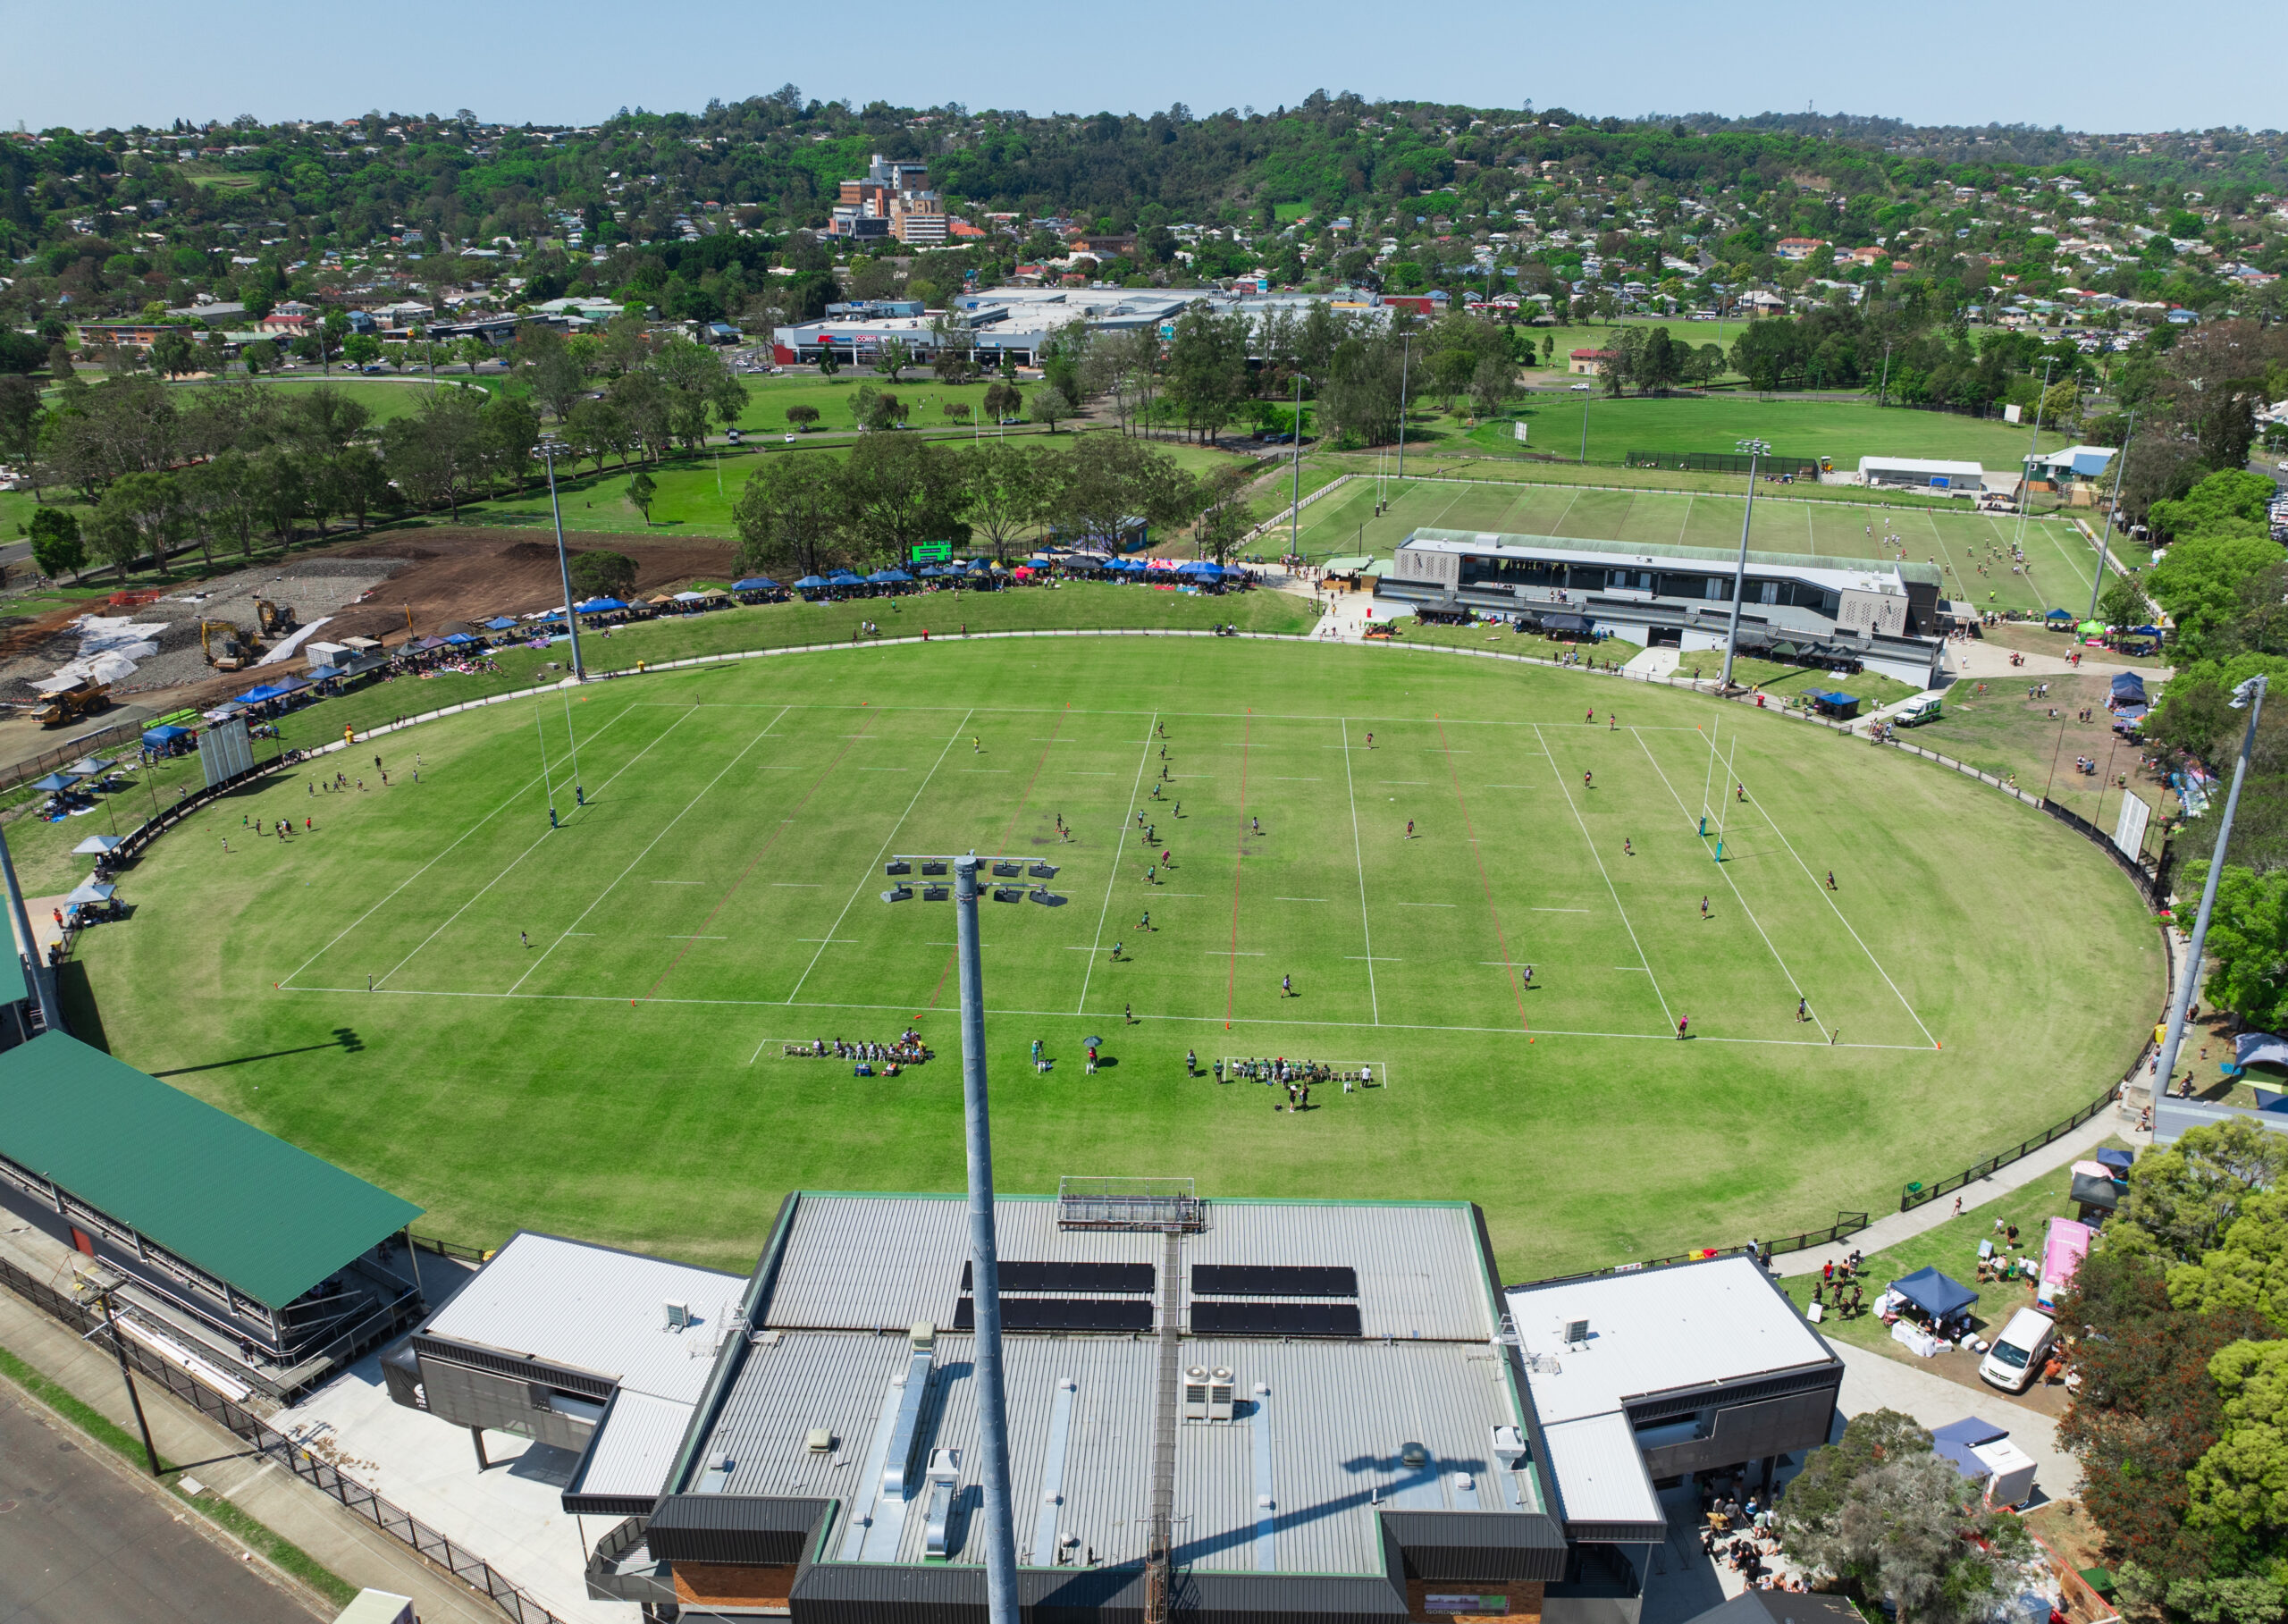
2103,65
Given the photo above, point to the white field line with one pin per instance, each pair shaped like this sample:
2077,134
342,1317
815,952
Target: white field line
866,878
613,884
426,867
1667,1018
527,852
1793,984
1119,851
1359,859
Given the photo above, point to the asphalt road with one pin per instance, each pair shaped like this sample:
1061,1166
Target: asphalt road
81,1541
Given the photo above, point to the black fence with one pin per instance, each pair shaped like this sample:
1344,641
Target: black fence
452,1248
1916,1195
2151,884
1724,462
1846,1226
346,1491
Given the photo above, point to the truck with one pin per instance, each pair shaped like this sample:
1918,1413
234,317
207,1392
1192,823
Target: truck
1926,707
70,705
228,647
275,620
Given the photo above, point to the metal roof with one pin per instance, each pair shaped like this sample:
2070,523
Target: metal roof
1587,549
869,1263
595,1309
245,1206
1655,1331
1601,1471
633,1449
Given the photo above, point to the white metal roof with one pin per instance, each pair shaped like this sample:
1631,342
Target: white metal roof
631,1451
1918,465
1653,1332
595,1309
1600,1470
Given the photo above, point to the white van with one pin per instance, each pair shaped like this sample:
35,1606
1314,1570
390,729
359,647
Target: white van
2016,1357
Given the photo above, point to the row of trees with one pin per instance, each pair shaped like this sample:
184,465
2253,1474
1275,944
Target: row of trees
806,515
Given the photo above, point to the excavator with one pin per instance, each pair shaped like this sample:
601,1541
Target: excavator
72,703
276,621
228,647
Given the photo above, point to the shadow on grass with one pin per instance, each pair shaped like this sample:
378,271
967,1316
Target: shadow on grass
344,1038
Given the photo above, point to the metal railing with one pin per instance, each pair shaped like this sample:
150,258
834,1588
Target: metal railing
349,1492
1917,1195
1846,1226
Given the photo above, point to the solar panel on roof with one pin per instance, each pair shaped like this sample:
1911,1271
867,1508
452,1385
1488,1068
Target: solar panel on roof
1020,1277
1274,1319
1062,1313
1266,1280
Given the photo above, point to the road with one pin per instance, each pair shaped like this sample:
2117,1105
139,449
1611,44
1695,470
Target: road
82,1541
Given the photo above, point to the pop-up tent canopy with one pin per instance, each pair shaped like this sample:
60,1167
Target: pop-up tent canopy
1936,1294
2055,616
499,623
2094,1186
55,781
810,583
598,606
1564,623
164,735
96,846
90,891
2120,1161
2063,1246
1833,702
2259,1048
2128,685
1956,1439
755,584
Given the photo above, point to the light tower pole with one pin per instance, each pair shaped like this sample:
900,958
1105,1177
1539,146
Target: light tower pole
2113,511
1756,449
550,449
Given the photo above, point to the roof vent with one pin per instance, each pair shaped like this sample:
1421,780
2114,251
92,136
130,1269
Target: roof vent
923,1337
675,1316
820,1442
1577,1333
1413,1457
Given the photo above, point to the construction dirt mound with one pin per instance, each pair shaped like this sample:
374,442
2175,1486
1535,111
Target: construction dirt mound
465,572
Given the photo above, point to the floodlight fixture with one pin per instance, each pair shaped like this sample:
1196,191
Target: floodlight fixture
897,865
898,893
936,892
1008,893
1005,869
1043,870
933,865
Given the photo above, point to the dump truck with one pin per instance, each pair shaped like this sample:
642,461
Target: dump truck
275,620
228,647
70,705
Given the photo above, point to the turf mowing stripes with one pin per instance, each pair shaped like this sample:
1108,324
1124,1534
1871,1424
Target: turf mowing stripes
1668,1018
1478,855
1119,850
1239,867
1007,834
654,840
874,867
1358,856
848,744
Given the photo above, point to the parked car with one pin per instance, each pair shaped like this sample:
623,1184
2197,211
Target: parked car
2016,1357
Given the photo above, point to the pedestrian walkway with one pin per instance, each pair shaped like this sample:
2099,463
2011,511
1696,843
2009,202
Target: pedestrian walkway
1655,665
1892,1228
220,1461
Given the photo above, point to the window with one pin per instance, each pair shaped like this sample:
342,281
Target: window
1770,592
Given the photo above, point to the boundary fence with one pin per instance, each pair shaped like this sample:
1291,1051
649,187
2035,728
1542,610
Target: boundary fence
1913,1196
345,1490
1846,1226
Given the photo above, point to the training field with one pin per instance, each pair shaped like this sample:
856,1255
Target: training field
1977,973
2060,558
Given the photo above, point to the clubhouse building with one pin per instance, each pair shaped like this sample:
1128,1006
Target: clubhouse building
1873,615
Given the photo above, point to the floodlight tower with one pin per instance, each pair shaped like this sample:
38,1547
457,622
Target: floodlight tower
1757,450
992,1396
550,449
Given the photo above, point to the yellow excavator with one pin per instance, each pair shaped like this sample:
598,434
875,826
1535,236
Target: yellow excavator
228,647
72,703
276,621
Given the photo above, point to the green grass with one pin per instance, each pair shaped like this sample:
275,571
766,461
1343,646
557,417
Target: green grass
1843,430
1952,1248
281,1552
621,1079
1959,542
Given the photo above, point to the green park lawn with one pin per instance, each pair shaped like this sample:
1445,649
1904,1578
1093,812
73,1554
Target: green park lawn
621,1077
1794,426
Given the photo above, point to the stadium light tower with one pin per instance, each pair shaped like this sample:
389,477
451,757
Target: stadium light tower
1295,507
550,449
1757,450
985,1260
2249,697
2113,512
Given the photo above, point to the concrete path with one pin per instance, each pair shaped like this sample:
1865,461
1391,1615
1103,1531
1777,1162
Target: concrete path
1655,665
1875,1380
1978,659
1892,1228
333,1536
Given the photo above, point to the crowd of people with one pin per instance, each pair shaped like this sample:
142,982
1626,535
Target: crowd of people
890,1057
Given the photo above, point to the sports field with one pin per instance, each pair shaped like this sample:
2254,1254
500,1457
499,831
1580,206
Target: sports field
1794,426
2059,559
582,1029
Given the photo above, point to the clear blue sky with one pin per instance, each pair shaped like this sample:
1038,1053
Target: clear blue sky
2103,65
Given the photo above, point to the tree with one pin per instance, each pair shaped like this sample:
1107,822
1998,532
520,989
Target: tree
2200,581
2248,934
603,574
56,546
139,513
1883,1514
1004,491
1050,406
1228,515
640,492
549,366
957,410
789,515
175,352
1002,400
361,349
802,416
2183,1199
898,491
2124,602
893,358
19,418
829,365
2229,503
436,453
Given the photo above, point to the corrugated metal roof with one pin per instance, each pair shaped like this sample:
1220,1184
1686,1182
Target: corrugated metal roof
1472,541
869,1263
242,1204
596,1309
1657,1330
1338,1414
632,1450
1601,1471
